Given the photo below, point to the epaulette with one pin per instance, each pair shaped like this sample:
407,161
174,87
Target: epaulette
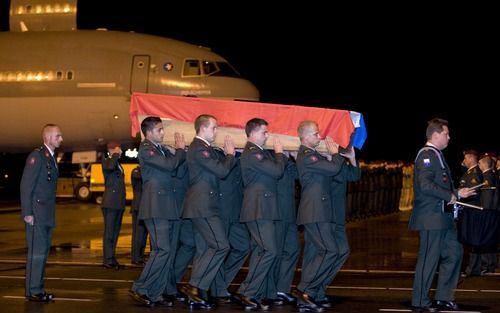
39,149
307,150
252,148
145,143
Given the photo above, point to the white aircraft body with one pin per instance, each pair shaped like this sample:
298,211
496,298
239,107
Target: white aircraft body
82,80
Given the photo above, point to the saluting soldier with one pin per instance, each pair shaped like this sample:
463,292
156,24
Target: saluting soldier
158,209
317,215
260,172
203,208
433,189
38,209
113,203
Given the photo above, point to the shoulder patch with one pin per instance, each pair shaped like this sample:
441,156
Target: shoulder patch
259,156
427,162
32,160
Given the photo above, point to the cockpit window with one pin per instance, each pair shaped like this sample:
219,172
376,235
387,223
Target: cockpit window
208,68
191,68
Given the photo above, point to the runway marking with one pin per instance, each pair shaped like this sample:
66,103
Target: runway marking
56,299
76,279
407,310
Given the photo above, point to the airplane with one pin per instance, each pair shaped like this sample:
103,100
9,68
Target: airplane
82,80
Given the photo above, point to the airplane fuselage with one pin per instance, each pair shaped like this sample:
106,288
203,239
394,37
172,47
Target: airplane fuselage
82,81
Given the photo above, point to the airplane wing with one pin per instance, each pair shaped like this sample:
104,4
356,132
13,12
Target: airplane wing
178,114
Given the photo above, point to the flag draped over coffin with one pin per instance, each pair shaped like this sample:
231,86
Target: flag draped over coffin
178,114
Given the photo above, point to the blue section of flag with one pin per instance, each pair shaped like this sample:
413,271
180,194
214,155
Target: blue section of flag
360,134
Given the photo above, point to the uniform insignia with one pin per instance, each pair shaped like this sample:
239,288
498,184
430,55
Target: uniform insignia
259,156
205,153
486,183
46,154
474,181
427,162
251,148
32,160
445,178
314,158
151,152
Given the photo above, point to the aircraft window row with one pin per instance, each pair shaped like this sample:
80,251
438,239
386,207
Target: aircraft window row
46,8
34,76
208,68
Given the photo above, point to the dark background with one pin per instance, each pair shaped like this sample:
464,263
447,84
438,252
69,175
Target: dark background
399,66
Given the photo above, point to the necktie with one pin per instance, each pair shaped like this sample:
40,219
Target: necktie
160,149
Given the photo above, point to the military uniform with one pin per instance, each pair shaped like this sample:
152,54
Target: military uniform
158,208
38,199
433,188
260,172
286,229
113,206
231,198
318,217
139,231
203,208
349,173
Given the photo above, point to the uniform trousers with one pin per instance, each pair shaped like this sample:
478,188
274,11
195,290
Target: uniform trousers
38,240
437,247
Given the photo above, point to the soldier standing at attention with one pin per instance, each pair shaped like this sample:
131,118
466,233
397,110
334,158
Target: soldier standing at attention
113,203
260,172
317,215
202,206
158,210
38,210
433,188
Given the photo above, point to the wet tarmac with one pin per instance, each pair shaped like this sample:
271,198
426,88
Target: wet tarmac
376,278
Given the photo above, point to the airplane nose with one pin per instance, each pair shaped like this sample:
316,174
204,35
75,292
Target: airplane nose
234,89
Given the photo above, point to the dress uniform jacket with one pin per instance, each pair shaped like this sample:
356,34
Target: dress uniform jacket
158,166
260,172
38,187
471,178
348,173
114,190
315,173
205,171
433,189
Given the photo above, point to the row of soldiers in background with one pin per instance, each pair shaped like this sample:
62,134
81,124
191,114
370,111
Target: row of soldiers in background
479,229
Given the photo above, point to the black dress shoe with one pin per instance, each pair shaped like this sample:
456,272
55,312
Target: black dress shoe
143,299
41,297
447,305
115,266
193,294
179,296
423,309
273,302
306,303
222,300
139,263
165,302
286,297
250,304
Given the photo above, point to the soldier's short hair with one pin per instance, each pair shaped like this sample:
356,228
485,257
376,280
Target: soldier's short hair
254,124
304,128
149,123
435,126
202,120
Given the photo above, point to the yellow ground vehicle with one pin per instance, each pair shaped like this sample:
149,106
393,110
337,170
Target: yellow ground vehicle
97,180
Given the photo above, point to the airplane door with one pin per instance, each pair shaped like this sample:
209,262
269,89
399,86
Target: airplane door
140,73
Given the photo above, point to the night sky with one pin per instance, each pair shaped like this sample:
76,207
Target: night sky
398,69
